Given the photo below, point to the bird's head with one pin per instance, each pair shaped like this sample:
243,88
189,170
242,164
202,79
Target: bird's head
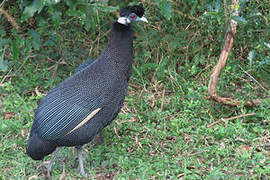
132,14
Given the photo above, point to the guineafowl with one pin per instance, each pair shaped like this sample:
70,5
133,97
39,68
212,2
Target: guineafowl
77,109
84,64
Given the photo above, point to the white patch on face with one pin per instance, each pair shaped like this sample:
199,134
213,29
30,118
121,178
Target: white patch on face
92,114
123,20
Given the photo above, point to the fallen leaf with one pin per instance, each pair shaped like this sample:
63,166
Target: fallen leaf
244,147
9,115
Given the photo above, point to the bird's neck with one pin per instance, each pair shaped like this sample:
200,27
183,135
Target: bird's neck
120,44
121,34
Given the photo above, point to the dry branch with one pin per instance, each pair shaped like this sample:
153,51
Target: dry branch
10,19
231,31
163,98
229,119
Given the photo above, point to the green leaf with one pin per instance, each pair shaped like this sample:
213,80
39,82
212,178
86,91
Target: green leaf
3,65
49,43
166,8
267,45
29,11
210,13
239,19
264,62
254,15
4,41
15,50
36,39
107,8
147,54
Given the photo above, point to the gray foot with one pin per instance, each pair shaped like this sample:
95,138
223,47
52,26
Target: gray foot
50,164
81,167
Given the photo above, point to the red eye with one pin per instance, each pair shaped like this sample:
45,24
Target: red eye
133,16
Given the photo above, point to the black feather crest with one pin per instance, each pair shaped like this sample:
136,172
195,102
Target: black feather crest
137,9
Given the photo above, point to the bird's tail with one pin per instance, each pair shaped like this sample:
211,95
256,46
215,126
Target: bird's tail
38,148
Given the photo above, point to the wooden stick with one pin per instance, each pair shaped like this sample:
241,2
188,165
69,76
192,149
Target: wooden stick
10,19
231,118
214,77
222,62
163,98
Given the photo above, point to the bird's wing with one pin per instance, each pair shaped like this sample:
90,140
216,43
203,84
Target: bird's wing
63,111
86,63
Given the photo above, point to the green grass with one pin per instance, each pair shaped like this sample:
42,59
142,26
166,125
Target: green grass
162,131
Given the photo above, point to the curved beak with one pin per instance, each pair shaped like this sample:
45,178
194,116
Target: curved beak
143,19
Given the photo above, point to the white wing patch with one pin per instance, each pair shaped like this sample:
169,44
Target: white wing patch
92,114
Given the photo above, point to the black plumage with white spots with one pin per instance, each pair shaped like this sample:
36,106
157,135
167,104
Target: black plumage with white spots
82,105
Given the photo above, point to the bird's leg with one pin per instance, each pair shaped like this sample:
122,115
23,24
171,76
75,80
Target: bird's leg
50,164
98,139
82,172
